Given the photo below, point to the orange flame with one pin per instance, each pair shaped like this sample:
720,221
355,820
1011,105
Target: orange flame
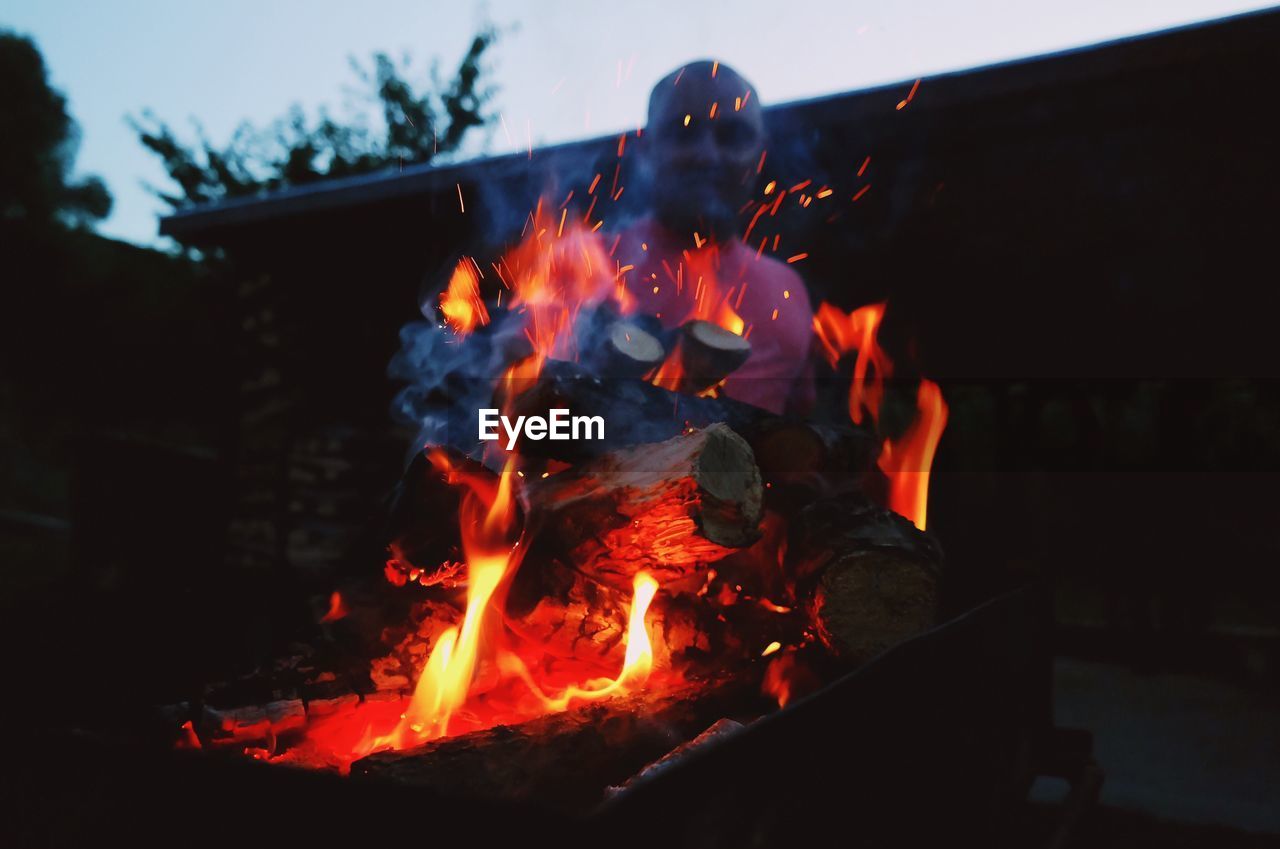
856,331
908,459
461,303
337,609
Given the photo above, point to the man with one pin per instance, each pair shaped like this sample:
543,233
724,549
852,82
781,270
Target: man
703,143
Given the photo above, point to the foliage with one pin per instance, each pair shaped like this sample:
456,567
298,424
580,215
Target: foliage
39,143
418,126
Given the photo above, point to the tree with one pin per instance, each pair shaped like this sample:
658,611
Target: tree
38,143
418,127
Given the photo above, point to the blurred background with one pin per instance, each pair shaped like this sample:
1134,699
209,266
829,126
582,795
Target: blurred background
216,219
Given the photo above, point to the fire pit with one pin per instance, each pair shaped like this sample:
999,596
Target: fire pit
701,611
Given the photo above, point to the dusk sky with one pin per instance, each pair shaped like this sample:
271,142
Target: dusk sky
564,70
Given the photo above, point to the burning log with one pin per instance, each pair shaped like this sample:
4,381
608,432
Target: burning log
630,351
637,412
669,509
570,615
709,354
565,759
425,543
812,458
875,574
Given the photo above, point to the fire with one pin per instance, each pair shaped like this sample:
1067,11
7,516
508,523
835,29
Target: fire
908,459
856,331
337,609
461,303
480,669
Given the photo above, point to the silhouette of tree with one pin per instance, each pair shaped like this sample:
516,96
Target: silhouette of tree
38,143
419,125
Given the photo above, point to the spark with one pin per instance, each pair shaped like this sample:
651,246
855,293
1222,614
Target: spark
621,189
786,294
862,191
760,164
461,205
567,198
754,219
560,232
507,132
737,104
714,106
770,186
797,258
775,314
679,74
825,192
594,183
622,144
910,95
863,168
798,186
715,66
687,119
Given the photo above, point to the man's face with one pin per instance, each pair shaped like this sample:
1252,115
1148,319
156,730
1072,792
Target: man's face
703,165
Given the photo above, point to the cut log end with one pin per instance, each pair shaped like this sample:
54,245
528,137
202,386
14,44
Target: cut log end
709,354
869,601
630,351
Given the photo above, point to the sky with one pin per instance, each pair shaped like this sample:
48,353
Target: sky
564,69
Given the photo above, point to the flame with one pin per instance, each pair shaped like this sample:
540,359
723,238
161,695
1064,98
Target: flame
907,460
779,678
337,609
461,303
856,331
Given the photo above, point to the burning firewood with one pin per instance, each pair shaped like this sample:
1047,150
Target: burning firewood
709,354
570,615
630,351
808,459
875,575
424,541
669,509
566,759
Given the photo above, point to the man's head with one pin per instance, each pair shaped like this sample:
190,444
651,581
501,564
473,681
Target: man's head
706,132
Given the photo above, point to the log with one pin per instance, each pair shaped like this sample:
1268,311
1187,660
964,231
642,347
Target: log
635,412
709,354
565,760
670,509
630,351
803,461
570,615
874,576
422,523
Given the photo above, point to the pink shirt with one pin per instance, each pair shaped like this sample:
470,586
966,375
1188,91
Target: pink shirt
775,308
